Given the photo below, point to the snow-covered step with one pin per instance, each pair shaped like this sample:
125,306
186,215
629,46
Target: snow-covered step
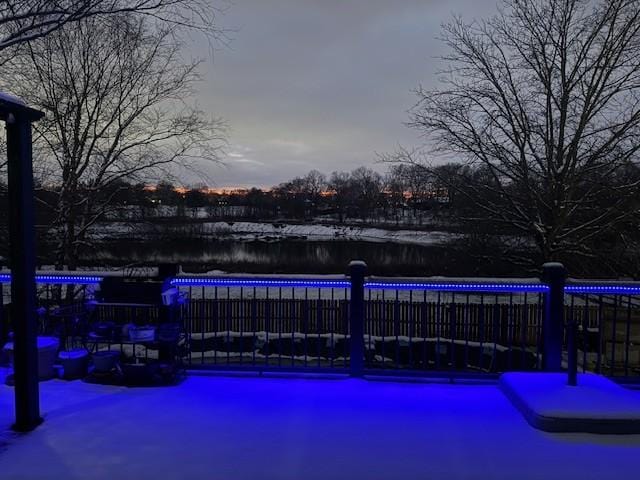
595,405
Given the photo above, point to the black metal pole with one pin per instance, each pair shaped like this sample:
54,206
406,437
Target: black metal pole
357,270
22,263
554,275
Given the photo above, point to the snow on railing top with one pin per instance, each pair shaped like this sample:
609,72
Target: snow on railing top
502,285
604,287
461,285
59,279
261,282
83,277
493,285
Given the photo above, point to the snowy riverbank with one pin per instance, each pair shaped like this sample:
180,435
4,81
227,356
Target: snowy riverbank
246,231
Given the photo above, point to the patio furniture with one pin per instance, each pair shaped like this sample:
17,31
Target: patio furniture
106,368
105,361
74,363
142,327
149,357
47,353
70,323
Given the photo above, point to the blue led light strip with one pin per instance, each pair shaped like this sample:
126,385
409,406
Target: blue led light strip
603,289
243,282
309,283
58,279
460,287
68,279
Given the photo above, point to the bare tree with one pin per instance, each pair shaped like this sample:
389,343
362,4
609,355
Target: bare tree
395,189
315,183
115,90
545,96
341,188
25,20
291,196
419,183
367,187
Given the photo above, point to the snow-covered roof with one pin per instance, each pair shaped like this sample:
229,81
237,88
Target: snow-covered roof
7,97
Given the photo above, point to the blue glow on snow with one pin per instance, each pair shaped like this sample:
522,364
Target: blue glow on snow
293,429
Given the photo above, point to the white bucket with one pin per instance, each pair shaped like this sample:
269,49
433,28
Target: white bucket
47,354
170,296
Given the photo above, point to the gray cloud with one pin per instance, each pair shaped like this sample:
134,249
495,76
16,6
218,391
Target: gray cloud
321,83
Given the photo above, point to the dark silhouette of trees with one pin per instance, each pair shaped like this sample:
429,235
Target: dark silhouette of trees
116,90
314,183
165,193
342,193
260,204
543,99
195,198
367,187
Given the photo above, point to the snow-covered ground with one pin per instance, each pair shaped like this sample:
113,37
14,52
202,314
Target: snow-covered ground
251,230
275,231
275,428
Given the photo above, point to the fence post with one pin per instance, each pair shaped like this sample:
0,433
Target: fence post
572,350
553,274
357,270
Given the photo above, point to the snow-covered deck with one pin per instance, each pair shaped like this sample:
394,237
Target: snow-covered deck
219,427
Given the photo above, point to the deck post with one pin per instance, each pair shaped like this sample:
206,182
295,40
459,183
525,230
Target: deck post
554,275
357,270
18,119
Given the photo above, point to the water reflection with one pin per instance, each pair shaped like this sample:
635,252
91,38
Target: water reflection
283,256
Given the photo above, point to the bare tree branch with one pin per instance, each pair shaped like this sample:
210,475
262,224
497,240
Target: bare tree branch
118,98
27,20
544,97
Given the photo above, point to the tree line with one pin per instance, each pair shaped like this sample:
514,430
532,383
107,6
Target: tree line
361,194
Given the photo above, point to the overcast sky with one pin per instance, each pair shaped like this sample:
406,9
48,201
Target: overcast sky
321,84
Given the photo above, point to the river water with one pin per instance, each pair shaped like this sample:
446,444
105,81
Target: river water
295,256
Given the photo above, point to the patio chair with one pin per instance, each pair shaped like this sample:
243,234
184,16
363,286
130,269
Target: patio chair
69,323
